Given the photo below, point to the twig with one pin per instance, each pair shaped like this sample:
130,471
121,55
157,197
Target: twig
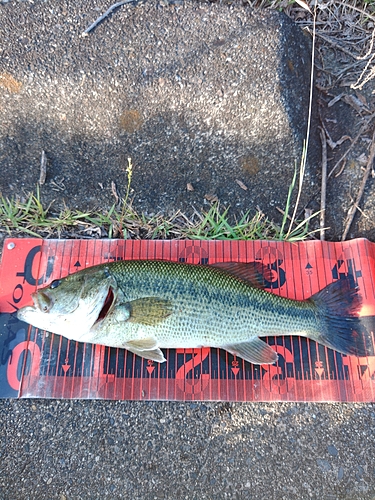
341,169
324,184
358,136
337,45
103,16
43,169
361,11
335,99
306,143
114,192
283,213
353,209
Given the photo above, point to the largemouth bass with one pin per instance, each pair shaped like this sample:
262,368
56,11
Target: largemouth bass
144,306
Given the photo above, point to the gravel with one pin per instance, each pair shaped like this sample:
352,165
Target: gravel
102,449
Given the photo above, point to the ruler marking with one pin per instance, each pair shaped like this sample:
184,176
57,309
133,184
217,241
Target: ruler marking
333,259
55,377
367,280
27,377
24,379
82,377
75,373
211,384
370,375
116,376
371,264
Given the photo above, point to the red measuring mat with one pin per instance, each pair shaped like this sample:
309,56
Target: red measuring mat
35,363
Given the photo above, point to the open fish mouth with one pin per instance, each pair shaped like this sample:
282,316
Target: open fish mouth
107,305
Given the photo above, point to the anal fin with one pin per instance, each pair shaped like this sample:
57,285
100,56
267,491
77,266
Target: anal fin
255,351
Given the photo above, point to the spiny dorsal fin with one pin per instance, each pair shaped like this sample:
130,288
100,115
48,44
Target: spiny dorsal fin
149,310
254,273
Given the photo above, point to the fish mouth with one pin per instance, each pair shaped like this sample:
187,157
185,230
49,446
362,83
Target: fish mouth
107,305
42,301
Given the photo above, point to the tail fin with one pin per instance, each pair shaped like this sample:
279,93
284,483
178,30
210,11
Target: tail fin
339,305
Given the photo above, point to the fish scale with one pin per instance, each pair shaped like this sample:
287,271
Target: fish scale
210,307
159,304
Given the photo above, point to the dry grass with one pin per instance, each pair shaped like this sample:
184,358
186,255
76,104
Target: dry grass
344,31
345,34
345,58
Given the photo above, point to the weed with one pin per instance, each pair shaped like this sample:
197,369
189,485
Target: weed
31,218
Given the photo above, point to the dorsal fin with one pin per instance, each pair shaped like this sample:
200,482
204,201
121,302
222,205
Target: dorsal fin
254,273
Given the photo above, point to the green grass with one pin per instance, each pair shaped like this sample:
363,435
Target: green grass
122,221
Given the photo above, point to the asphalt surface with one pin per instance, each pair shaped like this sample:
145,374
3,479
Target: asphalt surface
144,450
214,96
164,450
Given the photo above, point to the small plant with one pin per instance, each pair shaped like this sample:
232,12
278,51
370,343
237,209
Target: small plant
31,218
215,225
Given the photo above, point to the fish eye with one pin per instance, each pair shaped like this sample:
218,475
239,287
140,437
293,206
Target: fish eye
55,284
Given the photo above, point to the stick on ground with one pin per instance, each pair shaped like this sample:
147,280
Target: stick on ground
353,209
324,184
103,16
355,140
43,169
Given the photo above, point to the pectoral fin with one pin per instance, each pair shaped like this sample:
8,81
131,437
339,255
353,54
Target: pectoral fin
256,351
149,310
146,348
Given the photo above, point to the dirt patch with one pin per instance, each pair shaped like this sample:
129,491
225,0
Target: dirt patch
131,120
9,83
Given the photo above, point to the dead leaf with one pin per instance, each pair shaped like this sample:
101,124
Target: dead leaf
362,160
304,5
362,98
301,14
308,213
212,198
189,187
241,184
9,83
354,102
114,191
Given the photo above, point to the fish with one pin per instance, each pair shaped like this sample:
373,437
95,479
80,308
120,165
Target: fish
145,306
